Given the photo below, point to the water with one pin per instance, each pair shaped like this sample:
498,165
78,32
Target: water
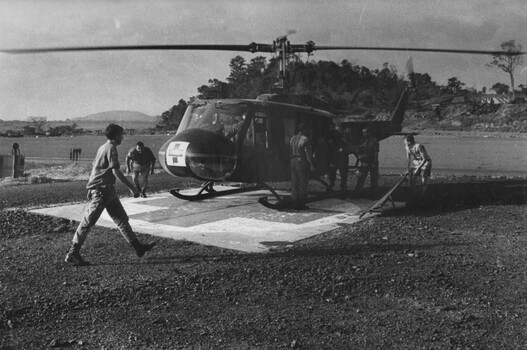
455,155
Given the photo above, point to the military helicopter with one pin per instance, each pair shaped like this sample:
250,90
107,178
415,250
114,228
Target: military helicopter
247,140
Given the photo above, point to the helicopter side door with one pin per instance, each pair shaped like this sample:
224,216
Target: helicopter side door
255,150
281,128
265,148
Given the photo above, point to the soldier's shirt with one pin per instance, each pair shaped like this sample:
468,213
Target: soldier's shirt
300,145
368,152
106,159
141,158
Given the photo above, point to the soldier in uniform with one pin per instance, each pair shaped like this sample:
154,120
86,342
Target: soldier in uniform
102,195
338,158
368,162
141,161
15,152
301,166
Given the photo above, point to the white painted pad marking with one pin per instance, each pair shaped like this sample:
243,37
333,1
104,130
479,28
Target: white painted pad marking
233,222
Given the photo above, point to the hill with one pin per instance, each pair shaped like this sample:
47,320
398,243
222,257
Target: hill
117,116
510,118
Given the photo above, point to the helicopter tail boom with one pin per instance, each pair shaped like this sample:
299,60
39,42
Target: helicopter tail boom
398,113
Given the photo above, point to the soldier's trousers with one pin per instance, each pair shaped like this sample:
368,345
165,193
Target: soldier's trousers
299,181
100,199
374,178
332,175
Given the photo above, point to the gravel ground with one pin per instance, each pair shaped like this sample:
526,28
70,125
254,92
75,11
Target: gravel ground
448,275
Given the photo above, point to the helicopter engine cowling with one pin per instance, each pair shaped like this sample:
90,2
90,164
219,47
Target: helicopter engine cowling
199,153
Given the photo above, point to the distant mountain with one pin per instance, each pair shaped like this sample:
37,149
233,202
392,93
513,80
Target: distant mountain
117,116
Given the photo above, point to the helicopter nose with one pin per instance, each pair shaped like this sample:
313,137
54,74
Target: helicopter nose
201,154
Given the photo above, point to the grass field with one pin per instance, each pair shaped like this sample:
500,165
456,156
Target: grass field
59,147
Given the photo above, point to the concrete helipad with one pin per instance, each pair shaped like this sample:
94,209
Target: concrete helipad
234,221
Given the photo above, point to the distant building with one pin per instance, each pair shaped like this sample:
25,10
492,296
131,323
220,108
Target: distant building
495,99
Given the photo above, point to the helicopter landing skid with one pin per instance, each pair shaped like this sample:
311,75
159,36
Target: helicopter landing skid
211,192
280,202
283,203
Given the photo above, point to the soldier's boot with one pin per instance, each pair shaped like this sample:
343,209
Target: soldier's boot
142,248
74,257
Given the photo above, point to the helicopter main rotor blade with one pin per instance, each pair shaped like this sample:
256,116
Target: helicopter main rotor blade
252,47
413,49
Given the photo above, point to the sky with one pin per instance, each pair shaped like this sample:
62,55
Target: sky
62,86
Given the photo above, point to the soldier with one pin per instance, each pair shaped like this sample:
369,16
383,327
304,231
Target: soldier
419,163
338,158
141,160
15,152
301,165
368,161
102,195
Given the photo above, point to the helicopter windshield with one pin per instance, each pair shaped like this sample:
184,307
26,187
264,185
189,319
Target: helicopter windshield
221,119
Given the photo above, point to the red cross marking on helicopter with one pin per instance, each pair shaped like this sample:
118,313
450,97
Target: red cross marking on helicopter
236,222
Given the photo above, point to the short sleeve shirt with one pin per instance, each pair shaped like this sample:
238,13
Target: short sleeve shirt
105,161
300,146
368,153
143,159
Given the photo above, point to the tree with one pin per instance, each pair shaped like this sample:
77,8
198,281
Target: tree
238,79
500,88
454,85
171,119
425,88
508,62
215,90
38,124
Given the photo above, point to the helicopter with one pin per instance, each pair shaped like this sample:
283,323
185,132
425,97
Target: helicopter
247,140
241,140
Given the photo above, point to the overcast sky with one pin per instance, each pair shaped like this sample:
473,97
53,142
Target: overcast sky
68,85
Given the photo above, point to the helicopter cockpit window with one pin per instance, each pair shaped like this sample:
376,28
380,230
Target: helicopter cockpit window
226,120
232,124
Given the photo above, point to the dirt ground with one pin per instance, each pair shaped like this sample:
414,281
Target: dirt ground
449,274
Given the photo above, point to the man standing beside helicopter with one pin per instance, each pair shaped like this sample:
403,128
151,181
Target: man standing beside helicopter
338,158
301,165
368,161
